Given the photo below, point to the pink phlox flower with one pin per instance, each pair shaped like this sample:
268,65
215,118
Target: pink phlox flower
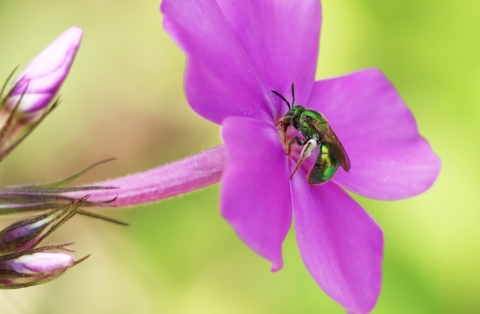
237,51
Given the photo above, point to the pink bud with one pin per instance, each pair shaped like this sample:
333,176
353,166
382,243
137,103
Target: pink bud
43,76
42,262
32,268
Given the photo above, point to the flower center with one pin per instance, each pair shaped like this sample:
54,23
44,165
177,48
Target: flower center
285,137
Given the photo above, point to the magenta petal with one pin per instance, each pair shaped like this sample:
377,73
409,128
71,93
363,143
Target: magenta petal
340,244
255,195
389,158
282,38
220,78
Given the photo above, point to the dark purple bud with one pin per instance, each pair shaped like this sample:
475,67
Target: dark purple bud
27,234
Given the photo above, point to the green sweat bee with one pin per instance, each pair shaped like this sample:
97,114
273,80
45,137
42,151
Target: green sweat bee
318,133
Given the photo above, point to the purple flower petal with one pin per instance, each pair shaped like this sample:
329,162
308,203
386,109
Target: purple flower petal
43,76
281,38
255,189
221,79
390,159
340,244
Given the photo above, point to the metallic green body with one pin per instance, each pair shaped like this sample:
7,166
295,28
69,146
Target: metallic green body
317,133
325,166
304,127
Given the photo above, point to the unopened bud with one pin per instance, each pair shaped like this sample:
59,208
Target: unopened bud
28,269
38,84
41,262
27,234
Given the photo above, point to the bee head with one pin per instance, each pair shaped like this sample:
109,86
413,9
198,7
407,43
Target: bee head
295,112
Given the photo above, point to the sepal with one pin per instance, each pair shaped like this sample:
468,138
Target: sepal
39,197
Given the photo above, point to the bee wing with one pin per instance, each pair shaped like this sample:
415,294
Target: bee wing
328,136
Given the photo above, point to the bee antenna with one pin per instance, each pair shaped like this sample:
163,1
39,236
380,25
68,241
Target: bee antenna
293,94
283,98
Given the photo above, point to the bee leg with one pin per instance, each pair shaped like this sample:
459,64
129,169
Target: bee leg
285,126
308,146
285,122
292,141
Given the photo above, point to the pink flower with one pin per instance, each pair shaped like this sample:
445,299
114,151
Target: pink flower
237,51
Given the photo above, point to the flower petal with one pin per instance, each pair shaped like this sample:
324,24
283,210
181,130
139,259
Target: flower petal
389,158
220,78
281,38
340,244
255,195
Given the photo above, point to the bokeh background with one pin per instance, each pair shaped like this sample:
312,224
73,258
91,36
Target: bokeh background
124,98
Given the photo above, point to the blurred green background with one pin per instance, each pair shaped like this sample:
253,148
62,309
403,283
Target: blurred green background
123,98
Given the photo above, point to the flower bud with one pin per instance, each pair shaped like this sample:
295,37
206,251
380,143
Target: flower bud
23,270
41,262
27,234
38,84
